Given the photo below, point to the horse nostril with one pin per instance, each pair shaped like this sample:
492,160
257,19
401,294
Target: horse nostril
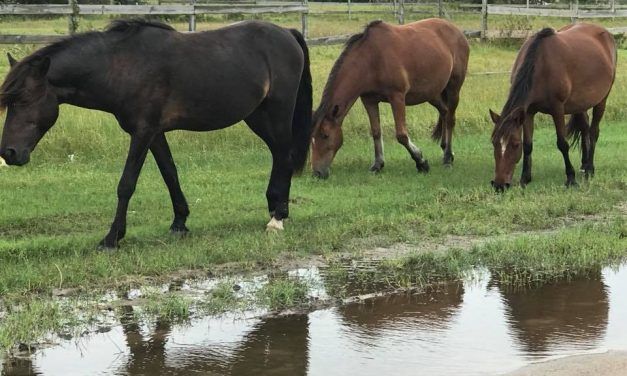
10,153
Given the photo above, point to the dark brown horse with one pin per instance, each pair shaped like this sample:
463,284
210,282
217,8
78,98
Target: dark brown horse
424,61
555,73
154,80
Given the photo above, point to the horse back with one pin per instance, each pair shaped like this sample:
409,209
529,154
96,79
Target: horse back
576,67
419,58
211,80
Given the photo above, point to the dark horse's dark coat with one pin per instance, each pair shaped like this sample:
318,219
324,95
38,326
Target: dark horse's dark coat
154,79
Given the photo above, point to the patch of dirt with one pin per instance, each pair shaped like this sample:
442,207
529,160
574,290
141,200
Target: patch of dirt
612,363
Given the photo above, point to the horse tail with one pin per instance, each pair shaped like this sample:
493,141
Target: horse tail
438,131
575,126
301,122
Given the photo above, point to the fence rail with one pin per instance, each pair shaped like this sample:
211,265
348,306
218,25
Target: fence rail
72,9
398,7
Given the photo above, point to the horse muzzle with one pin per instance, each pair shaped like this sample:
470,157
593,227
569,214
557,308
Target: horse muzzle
321,174
500,187
13,157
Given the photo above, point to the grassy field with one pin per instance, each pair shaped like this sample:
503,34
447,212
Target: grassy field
56,209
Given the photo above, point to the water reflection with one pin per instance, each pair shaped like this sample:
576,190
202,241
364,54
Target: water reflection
273,346
470,328
432,309
559,316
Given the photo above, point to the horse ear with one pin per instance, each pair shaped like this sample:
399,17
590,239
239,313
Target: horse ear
495,117
12,60
41,64
518,115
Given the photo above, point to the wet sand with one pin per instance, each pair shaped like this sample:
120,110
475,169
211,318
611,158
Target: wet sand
612,363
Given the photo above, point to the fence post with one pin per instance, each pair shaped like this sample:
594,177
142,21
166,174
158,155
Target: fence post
527,6
349,10
394,9
192,17
574,11
440,9
304,20
72,21
484,19
401,12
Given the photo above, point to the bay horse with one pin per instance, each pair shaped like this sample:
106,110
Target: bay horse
424,61
154,80
555,73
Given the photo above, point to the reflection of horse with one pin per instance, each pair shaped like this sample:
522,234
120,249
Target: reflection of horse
557,313
435,306
275,346
17,367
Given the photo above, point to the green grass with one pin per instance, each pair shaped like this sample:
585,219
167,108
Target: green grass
283,293
55,210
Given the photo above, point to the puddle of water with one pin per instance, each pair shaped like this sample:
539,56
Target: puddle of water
475,327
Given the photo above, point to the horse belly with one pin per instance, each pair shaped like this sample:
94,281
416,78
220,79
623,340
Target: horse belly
212,108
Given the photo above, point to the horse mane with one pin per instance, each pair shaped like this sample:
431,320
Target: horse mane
12,87
135,25
522,83
326,93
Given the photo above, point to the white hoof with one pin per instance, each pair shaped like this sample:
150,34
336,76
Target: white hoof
2,163
274,225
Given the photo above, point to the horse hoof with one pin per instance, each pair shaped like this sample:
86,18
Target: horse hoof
376,167
274,225
179,230
571,184
107,245
179,233
447,161
422,166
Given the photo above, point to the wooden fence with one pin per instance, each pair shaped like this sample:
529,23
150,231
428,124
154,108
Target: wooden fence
397,7
73,10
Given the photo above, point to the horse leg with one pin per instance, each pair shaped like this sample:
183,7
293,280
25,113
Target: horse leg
140,141
562,145
161,151
439,131
452,100
277,135
398,108
597,115
372,108
525,177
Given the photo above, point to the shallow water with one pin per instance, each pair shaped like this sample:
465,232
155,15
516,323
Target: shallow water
471,328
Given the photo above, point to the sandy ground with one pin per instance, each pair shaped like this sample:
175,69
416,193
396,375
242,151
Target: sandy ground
612,363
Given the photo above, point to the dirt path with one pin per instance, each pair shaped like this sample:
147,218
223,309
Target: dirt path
612,363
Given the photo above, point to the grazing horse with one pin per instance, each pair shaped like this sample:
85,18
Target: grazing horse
555,73
424,61
154,80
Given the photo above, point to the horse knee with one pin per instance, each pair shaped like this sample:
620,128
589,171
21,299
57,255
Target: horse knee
562,145
402,138
376,134
125,192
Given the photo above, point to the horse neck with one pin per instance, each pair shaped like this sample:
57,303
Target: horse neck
351,81
81,81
